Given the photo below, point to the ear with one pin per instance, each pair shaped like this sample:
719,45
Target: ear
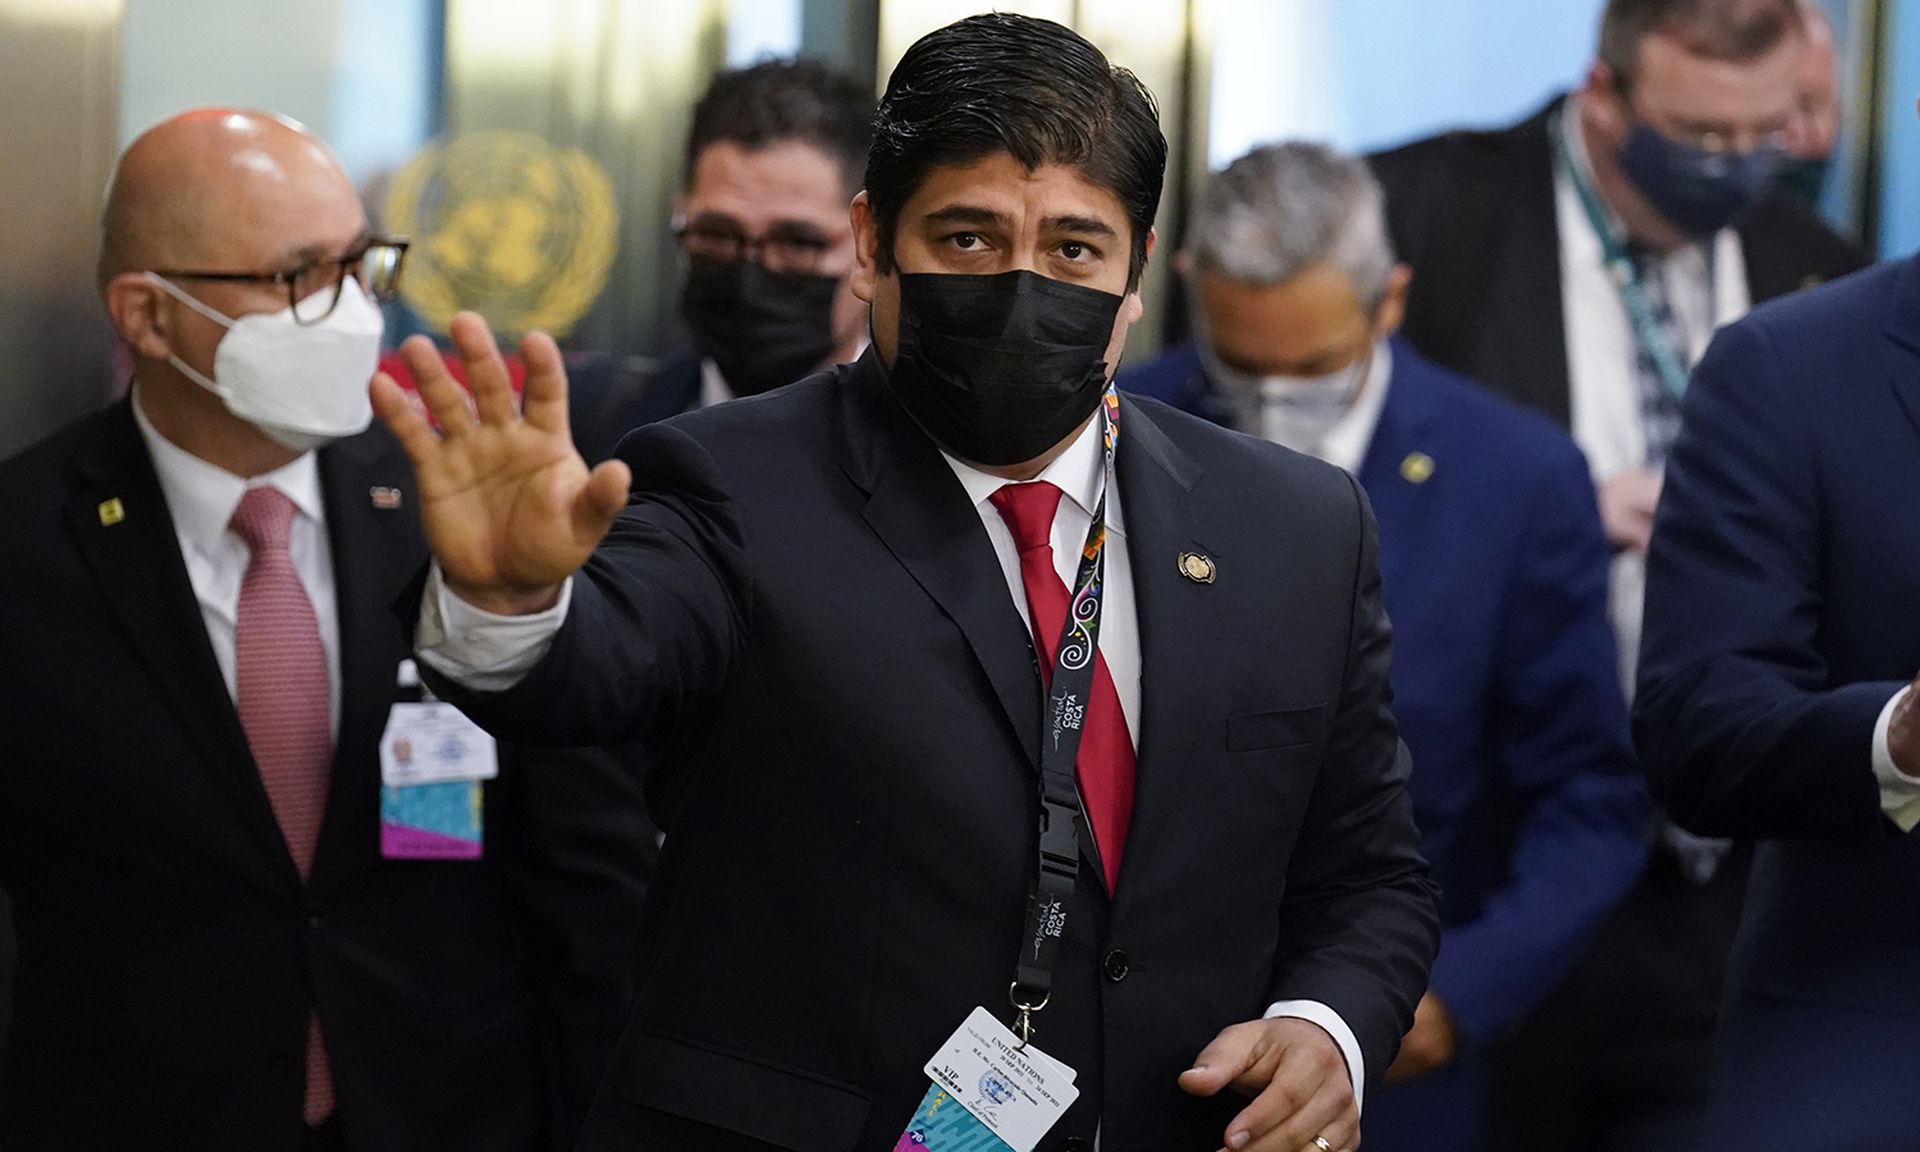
1602,104
1134,308
1393,302
137,307
1183,264
866,247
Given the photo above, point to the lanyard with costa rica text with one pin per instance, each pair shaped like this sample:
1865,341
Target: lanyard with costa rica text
1062,820
1653,339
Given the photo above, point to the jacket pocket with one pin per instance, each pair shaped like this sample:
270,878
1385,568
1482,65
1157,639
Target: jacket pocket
783,1106
1285,728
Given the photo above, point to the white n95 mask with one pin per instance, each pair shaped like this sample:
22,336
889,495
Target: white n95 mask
303,385
1295,412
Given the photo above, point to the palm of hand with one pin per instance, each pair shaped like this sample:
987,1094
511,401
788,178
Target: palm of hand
510,510
497,506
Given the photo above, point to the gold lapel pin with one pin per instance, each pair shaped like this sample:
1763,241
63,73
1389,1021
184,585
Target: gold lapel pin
112,512
385,499
1417,468
1196,567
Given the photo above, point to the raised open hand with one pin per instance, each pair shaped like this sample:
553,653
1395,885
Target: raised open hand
509,507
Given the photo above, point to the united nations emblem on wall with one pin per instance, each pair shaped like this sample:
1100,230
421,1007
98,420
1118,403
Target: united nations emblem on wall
507,225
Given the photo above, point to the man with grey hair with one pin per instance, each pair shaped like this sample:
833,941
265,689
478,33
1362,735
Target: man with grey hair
1494,565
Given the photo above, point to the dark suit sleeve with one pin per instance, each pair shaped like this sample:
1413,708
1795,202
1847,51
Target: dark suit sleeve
658,613
1739,729
579,854
1565,755
1358,926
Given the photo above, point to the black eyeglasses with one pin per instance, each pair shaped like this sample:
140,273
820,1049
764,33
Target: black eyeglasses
313,289
782,249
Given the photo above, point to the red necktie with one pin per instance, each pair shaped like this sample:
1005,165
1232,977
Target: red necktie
280,672
1105,766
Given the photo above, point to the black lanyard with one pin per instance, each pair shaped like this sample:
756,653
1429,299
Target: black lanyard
1062,820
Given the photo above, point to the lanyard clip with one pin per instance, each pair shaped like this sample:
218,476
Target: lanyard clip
1024,1009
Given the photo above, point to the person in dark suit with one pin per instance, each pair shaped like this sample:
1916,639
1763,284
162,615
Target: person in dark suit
773,156
227,938
1775,702
1493,568
888,761
1649,192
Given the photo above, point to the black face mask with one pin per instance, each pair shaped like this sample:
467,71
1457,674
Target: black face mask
761,329
998,369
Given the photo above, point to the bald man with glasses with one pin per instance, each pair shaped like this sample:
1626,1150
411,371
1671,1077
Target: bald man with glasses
237,928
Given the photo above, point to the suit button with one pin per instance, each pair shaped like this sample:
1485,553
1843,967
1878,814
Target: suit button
1075,1144
1116,966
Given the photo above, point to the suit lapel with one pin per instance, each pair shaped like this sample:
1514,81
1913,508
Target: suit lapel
377,547
921,513
1401,451
1534,333
1178,624
143,579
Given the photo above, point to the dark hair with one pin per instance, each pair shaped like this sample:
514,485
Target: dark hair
775,101
1737,30
1007,83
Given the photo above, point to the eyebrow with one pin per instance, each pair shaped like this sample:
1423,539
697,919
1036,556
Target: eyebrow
315,252
968,214
1084,225
988,218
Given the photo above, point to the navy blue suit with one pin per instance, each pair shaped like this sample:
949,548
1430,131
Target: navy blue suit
1781,597
1532,814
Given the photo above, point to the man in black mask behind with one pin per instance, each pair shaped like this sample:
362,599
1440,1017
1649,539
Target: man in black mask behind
840,616
772,159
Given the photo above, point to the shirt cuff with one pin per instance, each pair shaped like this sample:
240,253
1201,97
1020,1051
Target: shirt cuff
1315,1012
483,650
1899,792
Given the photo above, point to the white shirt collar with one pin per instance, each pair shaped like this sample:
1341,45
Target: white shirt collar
202,496
1345,444
713,386
1575,134
1079,472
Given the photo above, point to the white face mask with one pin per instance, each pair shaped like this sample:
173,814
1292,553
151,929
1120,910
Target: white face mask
302,385
1295,412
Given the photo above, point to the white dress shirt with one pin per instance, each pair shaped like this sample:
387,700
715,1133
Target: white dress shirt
1603,353
489,652
201,498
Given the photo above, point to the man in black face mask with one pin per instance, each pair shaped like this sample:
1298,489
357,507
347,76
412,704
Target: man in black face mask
773,157
1579,262
988,707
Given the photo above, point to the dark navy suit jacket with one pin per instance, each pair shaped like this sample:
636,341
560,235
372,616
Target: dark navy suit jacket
1506,682
1782,592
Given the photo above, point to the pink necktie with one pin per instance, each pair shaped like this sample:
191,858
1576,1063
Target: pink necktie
280,670
1105,764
